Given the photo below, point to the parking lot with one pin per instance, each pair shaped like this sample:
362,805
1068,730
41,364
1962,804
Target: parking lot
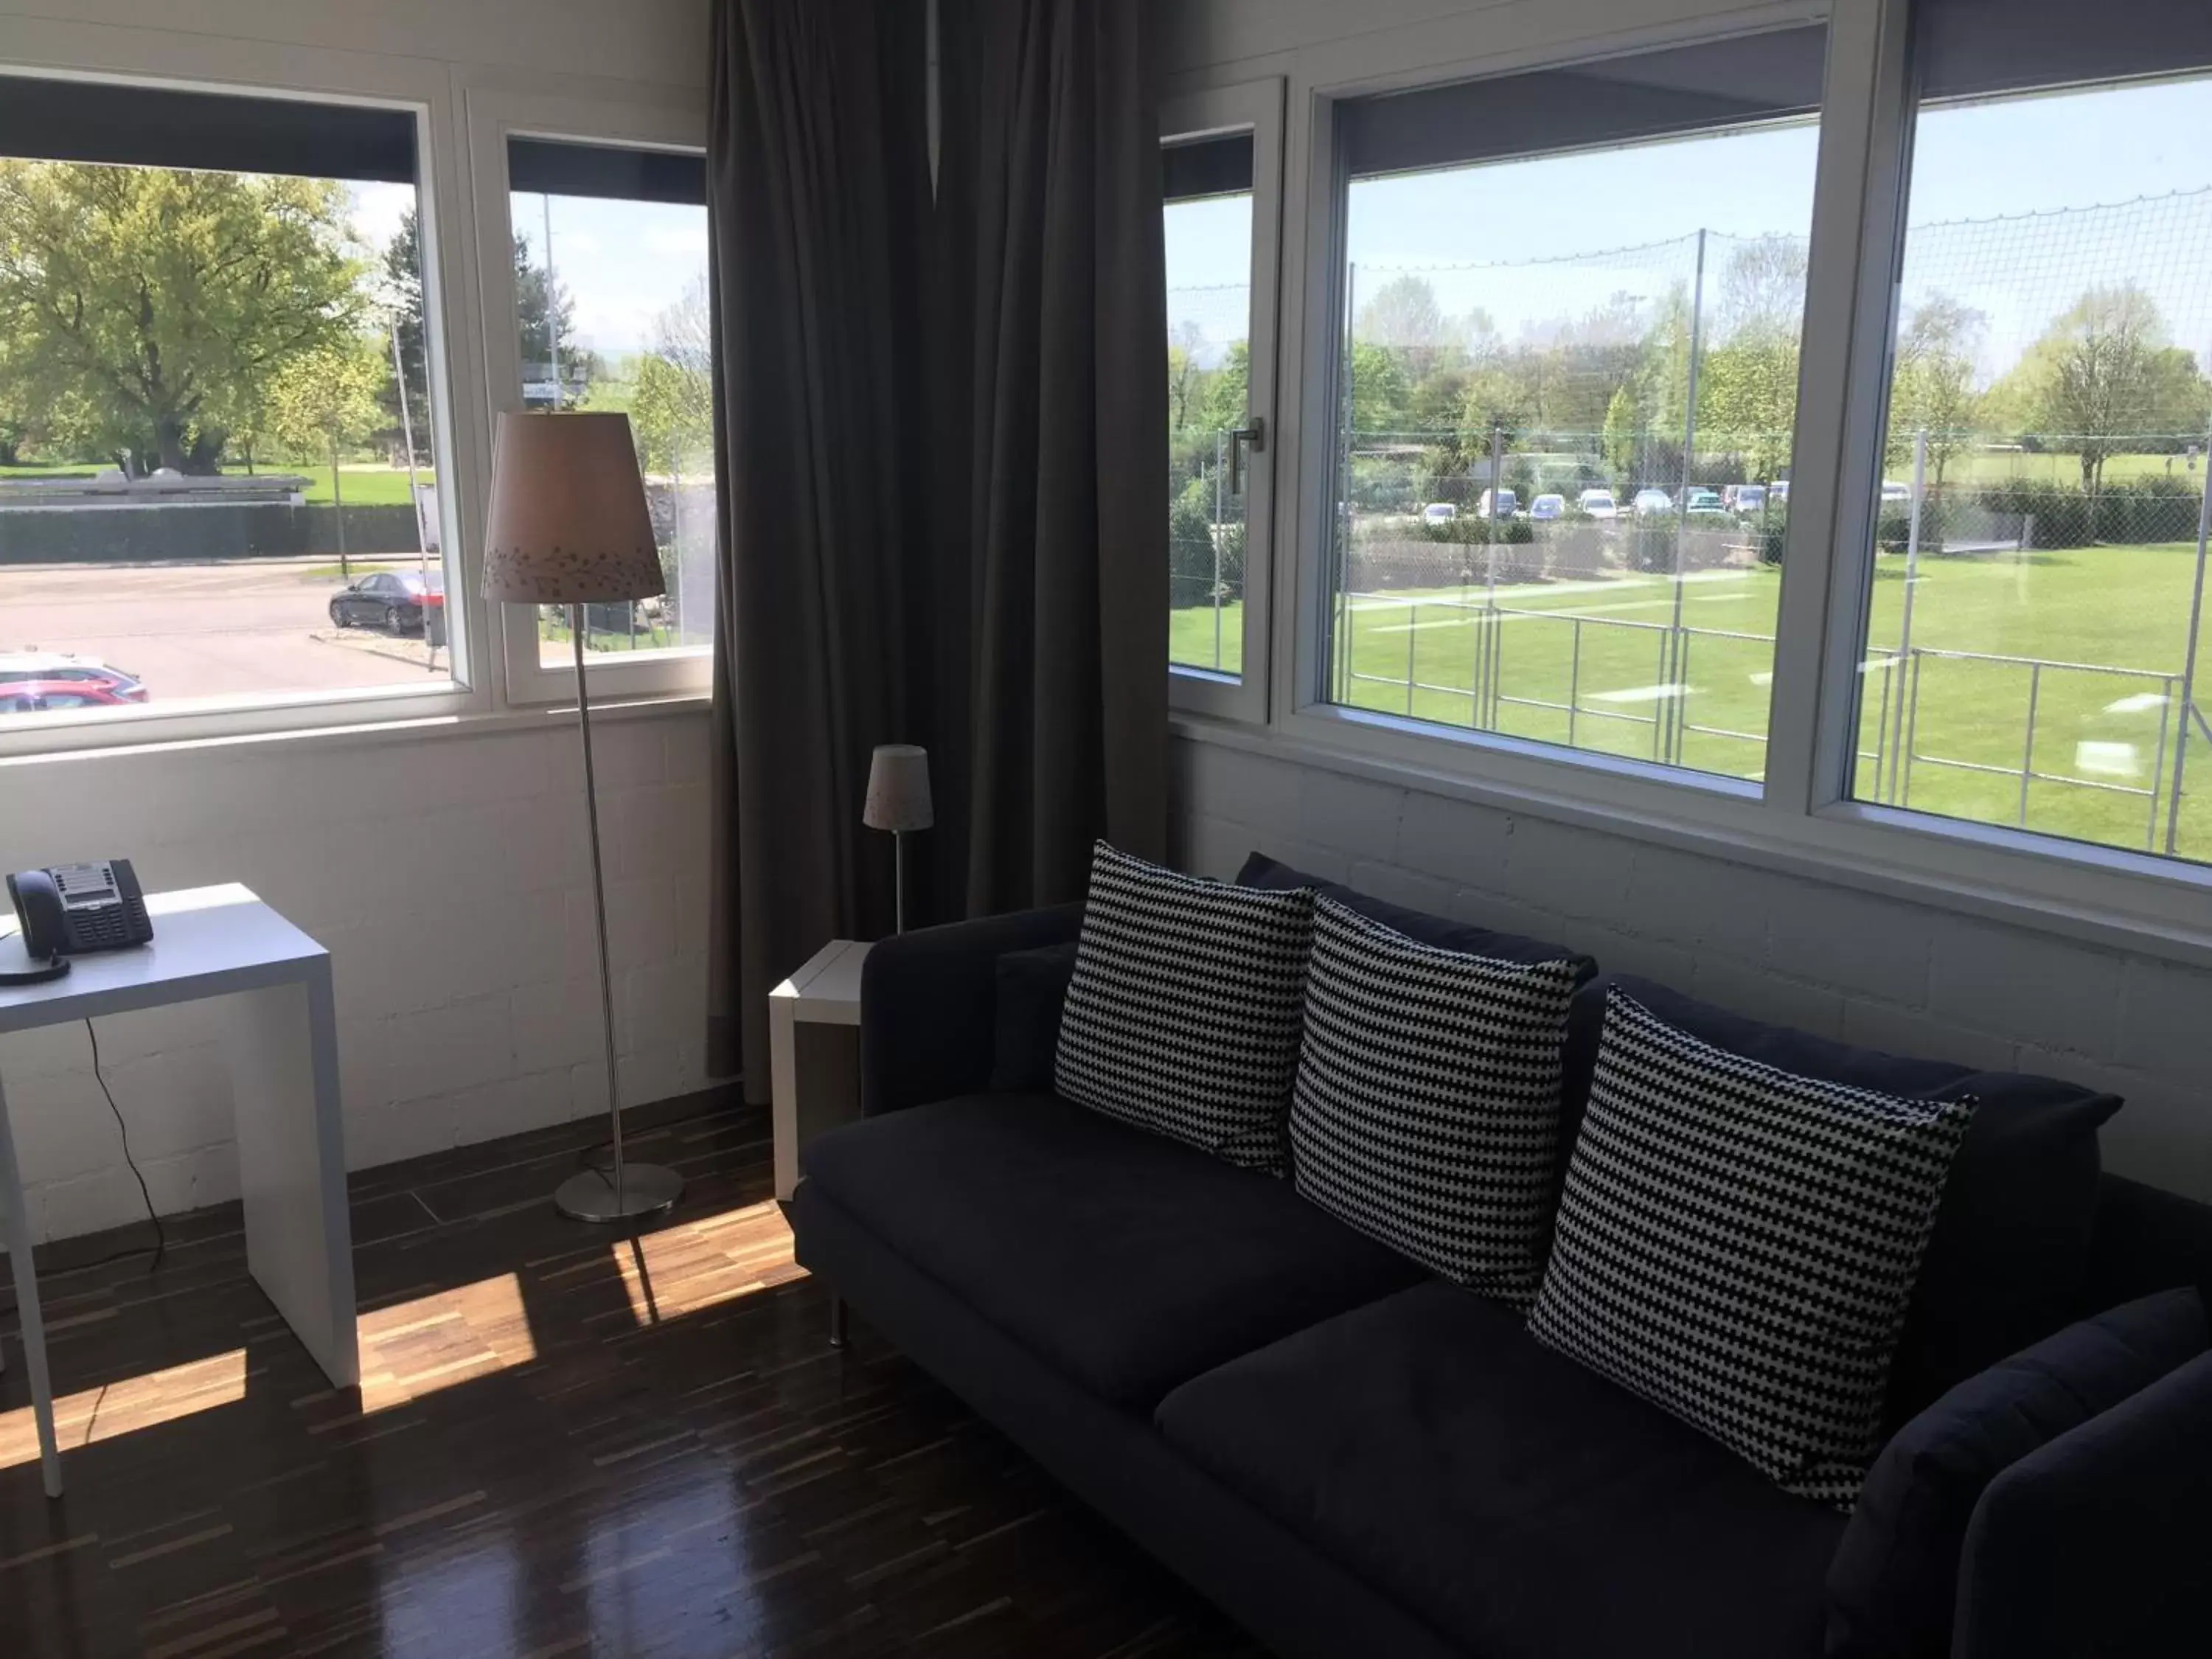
209,630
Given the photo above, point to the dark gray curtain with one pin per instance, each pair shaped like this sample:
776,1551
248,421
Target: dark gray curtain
1051,291
817,186
941,425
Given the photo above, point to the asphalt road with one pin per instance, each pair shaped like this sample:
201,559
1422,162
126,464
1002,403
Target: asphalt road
197,630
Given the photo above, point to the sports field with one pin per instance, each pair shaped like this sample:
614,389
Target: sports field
2108,608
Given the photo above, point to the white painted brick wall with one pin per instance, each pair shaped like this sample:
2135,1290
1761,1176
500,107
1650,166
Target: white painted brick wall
448,876
1913,980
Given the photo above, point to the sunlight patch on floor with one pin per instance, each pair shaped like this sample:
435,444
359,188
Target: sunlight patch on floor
681,1269
431,1342
119,1409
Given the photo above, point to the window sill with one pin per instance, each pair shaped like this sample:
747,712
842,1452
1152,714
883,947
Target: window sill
2094,895
339,735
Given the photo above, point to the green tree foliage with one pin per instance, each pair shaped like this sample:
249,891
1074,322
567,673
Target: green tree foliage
403,294
671,405
325,400
1932,388
1747,378
2102,378
146,307
1403,316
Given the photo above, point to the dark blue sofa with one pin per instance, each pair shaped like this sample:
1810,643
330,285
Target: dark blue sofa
1349,1455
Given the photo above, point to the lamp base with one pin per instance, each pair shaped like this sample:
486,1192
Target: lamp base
647,1189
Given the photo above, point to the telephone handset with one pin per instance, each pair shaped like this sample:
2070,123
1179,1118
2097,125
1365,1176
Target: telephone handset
73,909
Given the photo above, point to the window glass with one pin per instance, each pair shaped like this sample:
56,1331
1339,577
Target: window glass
215,407
1572,308
2032,657
1208,224
610,300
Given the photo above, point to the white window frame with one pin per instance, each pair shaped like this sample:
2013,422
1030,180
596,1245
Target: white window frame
1256,107
679,124
1803,820
72,51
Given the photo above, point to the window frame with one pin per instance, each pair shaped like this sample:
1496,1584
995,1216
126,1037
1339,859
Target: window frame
1253,106
1803,820
677,124
68,52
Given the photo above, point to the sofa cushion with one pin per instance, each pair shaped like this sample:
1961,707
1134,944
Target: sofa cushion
1182,1016
2097,1543
1521,1503
2006,1263
1126,1261
1894,1582
1032,985
1738,1243
1262,872
1426,1111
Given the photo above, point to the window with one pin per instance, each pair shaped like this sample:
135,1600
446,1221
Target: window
220,401
1221,171
1566,394
1208,225
2032,652
610,272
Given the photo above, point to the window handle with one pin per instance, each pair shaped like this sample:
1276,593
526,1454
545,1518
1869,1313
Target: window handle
1255,434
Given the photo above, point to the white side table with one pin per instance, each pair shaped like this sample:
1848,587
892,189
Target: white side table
283,1031
814,1052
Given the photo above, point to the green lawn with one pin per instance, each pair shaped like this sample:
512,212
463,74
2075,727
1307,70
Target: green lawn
366,485
2010,467
2114,607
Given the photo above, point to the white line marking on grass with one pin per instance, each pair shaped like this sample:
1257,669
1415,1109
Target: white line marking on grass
2140,703
1638,694
1762,679
2107,760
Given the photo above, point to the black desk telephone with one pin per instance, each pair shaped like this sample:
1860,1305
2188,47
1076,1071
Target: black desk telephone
75,908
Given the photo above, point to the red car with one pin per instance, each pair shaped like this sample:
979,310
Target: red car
33,681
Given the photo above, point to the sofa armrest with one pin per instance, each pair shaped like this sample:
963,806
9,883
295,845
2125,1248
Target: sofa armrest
929,1005
2097,1543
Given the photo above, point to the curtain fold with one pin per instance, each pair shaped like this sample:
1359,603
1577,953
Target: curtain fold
816,175
1055,244
941,423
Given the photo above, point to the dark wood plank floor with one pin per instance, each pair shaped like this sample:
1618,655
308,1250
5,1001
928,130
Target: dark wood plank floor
563,1444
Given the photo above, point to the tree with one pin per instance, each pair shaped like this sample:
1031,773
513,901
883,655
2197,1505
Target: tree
1186,375
402,289
671,407
545,312
324,401
1932,390
1403,315
145,306
2103,379
1227,402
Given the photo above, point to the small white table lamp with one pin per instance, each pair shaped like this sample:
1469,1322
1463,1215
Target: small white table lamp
898,800
568,525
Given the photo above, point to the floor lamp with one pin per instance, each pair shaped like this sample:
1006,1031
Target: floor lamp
569,526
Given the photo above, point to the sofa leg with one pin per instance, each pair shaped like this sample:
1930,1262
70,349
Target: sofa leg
836,1322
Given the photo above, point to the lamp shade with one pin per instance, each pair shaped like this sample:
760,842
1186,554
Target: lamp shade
898,788
569,524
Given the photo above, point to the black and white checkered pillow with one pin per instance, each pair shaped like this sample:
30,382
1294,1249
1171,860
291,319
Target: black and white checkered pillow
1183,1014
1426,1111
1738,1245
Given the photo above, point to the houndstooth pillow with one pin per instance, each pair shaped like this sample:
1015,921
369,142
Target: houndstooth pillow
1426,1110
1182,1016
1738,1245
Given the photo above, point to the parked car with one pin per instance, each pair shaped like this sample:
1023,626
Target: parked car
1506,505
1598,504
1778,492
34,681
395,600
1702,500
1747,498
1650,503
1439,512
1895,494
1547,507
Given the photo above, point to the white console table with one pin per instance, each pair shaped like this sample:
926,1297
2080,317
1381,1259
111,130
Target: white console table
814,1074
276,981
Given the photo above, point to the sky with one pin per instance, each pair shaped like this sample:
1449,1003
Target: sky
1972,162
624,263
